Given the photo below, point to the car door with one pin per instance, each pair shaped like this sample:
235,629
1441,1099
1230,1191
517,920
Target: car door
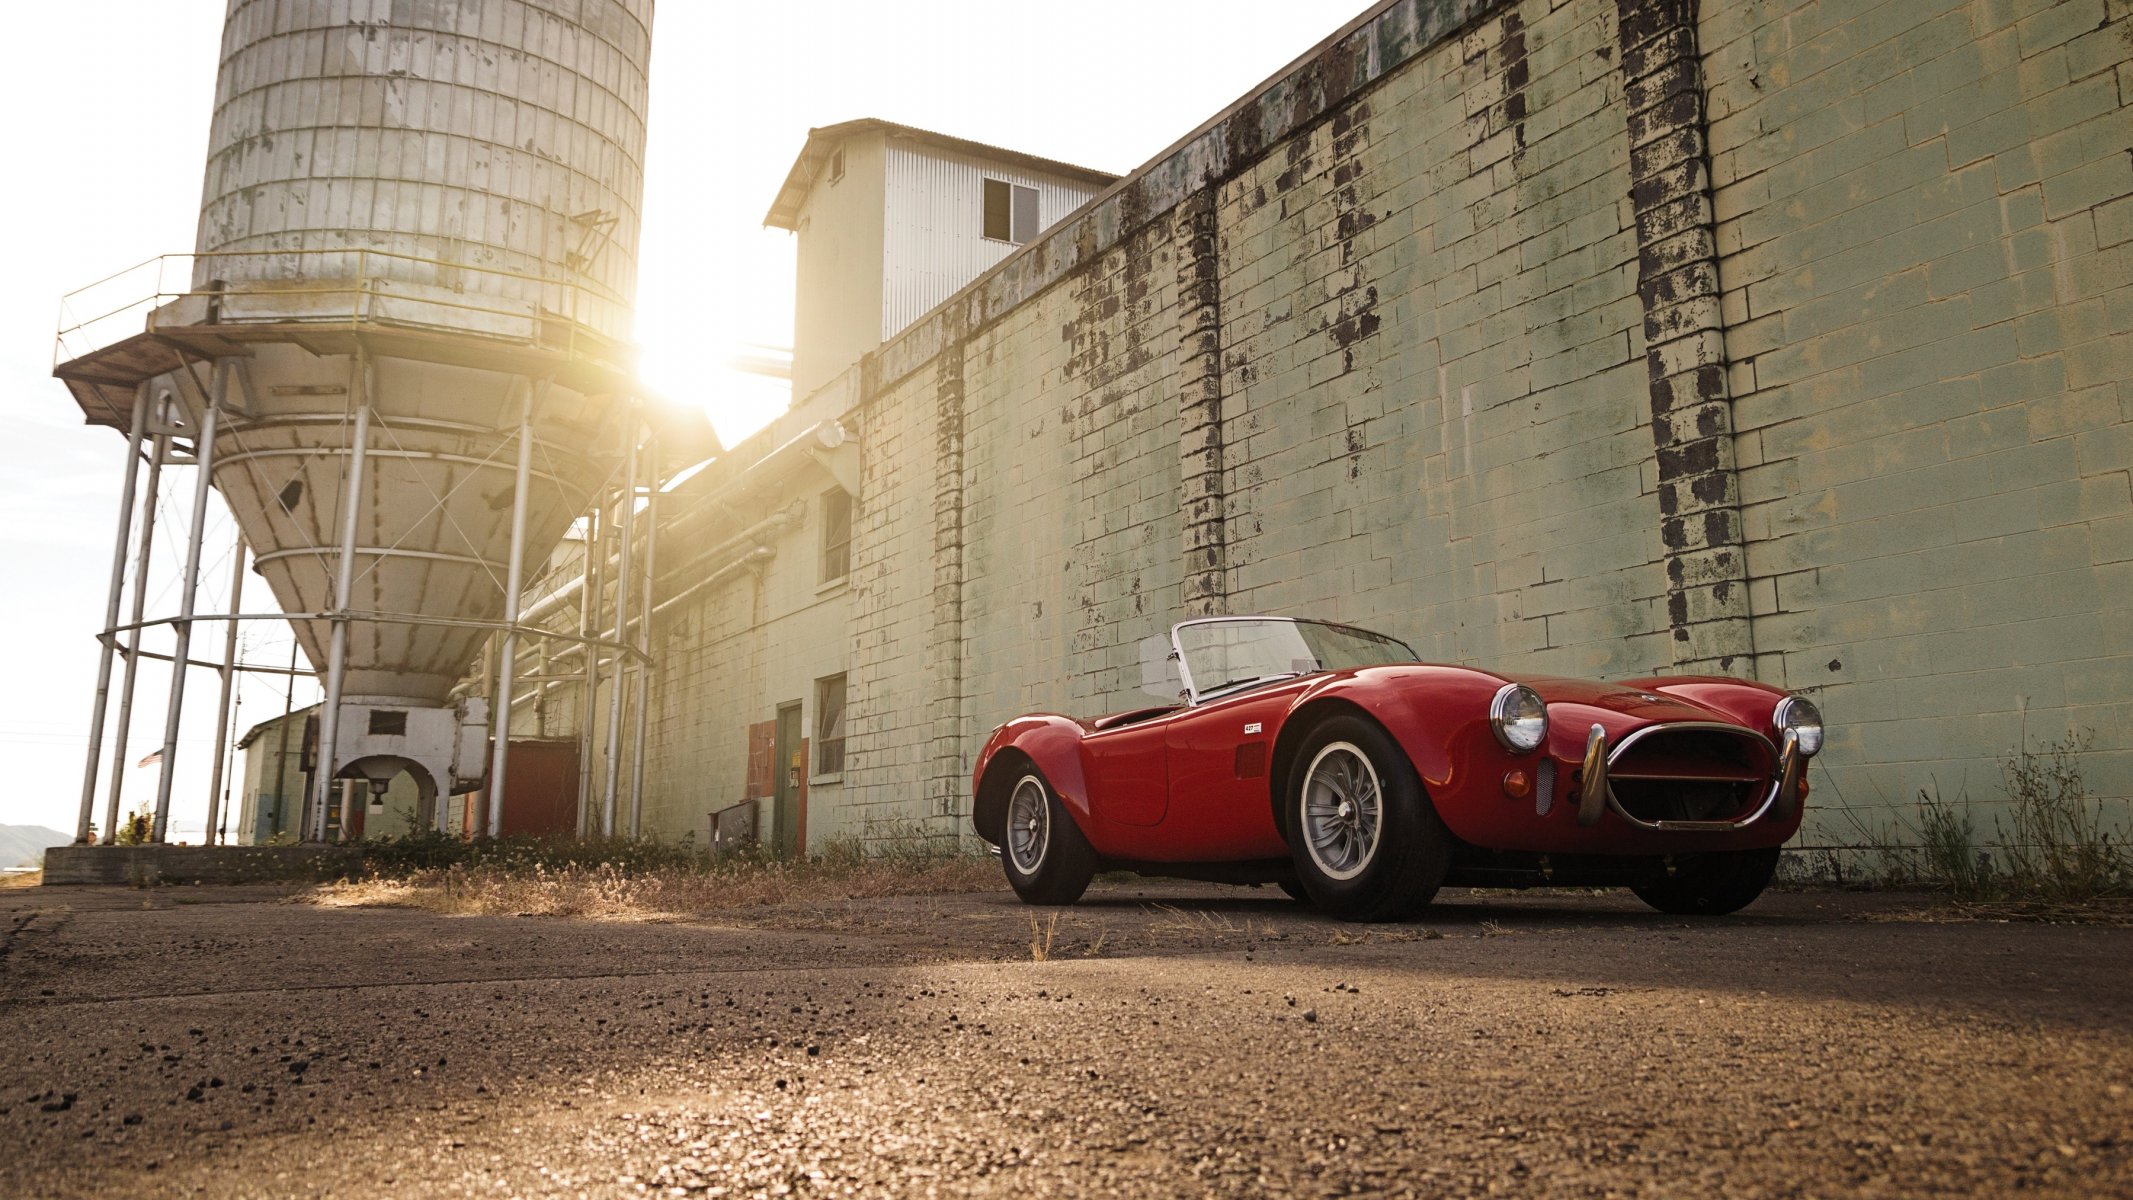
1219,758
1128,771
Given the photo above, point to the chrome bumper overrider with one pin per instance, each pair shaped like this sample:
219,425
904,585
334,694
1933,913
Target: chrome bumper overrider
1780,803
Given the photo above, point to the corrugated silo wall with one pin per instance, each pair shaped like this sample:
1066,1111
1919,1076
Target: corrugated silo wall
1494,325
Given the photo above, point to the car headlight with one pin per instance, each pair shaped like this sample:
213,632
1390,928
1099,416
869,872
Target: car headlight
1519,717
1799,716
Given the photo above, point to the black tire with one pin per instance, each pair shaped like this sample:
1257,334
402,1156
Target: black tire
1295,891
1711,885
1346,867
1049,862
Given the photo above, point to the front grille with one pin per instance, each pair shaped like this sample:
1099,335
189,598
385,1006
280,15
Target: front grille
1694,773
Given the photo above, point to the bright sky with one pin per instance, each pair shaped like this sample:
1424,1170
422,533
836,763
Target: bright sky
105,146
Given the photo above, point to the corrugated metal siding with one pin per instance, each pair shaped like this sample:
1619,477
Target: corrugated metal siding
460,132
934,213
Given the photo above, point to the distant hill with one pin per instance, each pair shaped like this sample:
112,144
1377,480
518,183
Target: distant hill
24,845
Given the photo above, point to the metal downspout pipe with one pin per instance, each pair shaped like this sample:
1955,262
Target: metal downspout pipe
501,750
229,680
159,450
111,611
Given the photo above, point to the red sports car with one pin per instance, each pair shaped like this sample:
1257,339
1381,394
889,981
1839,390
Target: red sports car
1326,759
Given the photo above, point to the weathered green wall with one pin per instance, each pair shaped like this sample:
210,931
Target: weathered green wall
1599,337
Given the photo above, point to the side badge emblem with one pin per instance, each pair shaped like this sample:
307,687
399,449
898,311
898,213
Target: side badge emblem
1254,727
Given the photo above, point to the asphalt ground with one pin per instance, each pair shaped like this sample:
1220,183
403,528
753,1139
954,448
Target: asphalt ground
1176,1040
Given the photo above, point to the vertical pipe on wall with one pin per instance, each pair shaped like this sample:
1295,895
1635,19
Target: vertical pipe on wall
644,645
113,596
159,450
188,599
622,613
229,680
589,594
329,725
514,581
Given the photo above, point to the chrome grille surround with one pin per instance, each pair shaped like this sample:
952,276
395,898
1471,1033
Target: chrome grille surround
1755,743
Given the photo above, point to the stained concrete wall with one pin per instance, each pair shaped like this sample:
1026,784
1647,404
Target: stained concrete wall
1605,337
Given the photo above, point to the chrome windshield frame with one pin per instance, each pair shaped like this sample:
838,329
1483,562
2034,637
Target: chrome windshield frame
1193,694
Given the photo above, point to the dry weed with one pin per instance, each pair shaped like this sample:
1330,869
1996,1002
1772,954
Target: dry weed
613,893
1040,939
21,879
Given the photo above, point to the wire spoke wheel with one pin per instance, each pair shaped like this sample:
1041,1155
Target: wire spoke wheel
1029,825
1343,810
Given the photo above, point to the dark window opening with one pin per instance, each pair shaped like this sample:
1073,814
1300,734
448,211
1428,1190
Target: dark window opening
1010,212
829,725
836,534
836,165
388,721
291,495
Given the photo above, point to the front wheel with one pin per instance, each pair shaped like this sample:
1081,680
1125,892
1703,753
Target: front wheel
1712,885
1048,860
1367,843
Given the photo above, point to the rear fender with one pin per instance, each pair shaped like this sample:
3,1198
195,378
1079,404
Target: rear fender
1048,741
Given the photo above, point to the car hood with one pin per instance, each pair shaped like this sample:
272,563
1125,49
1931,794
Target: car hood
1610,703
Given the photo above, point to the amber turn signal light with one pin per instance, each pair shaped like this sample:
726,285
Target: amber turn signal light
1516,783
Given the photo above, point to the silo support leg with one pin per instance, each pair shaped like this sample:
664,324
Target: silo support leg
500,752
329,730
644,647
622,613
222,705
111,611
188,597
159,450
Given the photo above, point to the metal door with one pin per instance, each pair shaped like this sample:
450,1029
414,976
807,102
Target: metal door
786,768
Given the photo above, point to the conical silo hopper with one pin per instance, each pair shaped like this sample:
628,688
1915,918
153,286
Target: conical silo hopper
417,245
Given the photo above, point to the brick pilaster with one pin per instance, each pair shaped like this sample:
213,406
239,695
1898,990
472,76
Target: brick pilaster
1684,336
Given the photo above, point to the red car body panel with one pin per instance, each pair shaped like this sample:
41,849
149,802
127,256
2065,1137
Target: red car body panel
1199,784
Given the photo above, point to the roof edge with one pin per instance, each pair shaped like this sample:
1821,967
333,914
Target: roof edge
792,194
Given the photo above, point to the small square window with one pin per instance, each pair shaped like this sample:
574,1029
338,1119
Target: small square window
836,534
829,725
1010,212
388,722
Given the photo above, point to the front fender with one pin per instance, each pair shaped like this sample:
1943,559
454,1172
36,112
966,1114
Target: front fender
1438,715
1050,741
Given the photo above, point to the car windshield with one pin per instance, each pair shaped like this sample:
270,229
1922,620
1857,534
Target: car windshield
1219,655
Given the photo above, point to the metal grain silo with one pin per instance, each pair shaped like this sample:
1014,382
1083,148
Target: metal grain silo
399,350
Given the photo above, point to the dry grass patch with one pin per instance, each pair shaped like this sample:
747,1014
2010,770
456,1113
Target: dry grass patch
22,879
665,893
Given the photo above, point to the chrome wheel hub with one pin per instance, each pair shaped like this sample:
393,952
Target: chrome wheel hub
1341,811
1029,825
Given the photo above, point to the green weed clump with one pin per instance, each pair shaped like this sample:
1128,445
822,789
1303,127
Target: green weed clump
2054,843
2058,845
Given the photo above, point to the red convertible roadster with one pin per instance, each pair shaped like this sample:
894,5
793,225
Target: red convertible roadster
1326,759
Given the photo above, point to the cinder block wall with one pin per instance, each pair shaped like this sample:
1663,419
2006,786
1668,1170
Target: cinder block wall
1608,337
1923,211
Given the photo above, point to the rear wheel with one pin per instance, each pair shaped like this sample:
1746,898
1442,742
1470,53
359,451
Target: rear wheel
1047,859
1711,885
1367,843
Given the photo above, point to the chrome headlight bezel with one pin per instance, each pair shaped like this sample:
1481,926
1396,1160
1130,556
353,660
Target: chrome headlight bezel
1799,716
1519,718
